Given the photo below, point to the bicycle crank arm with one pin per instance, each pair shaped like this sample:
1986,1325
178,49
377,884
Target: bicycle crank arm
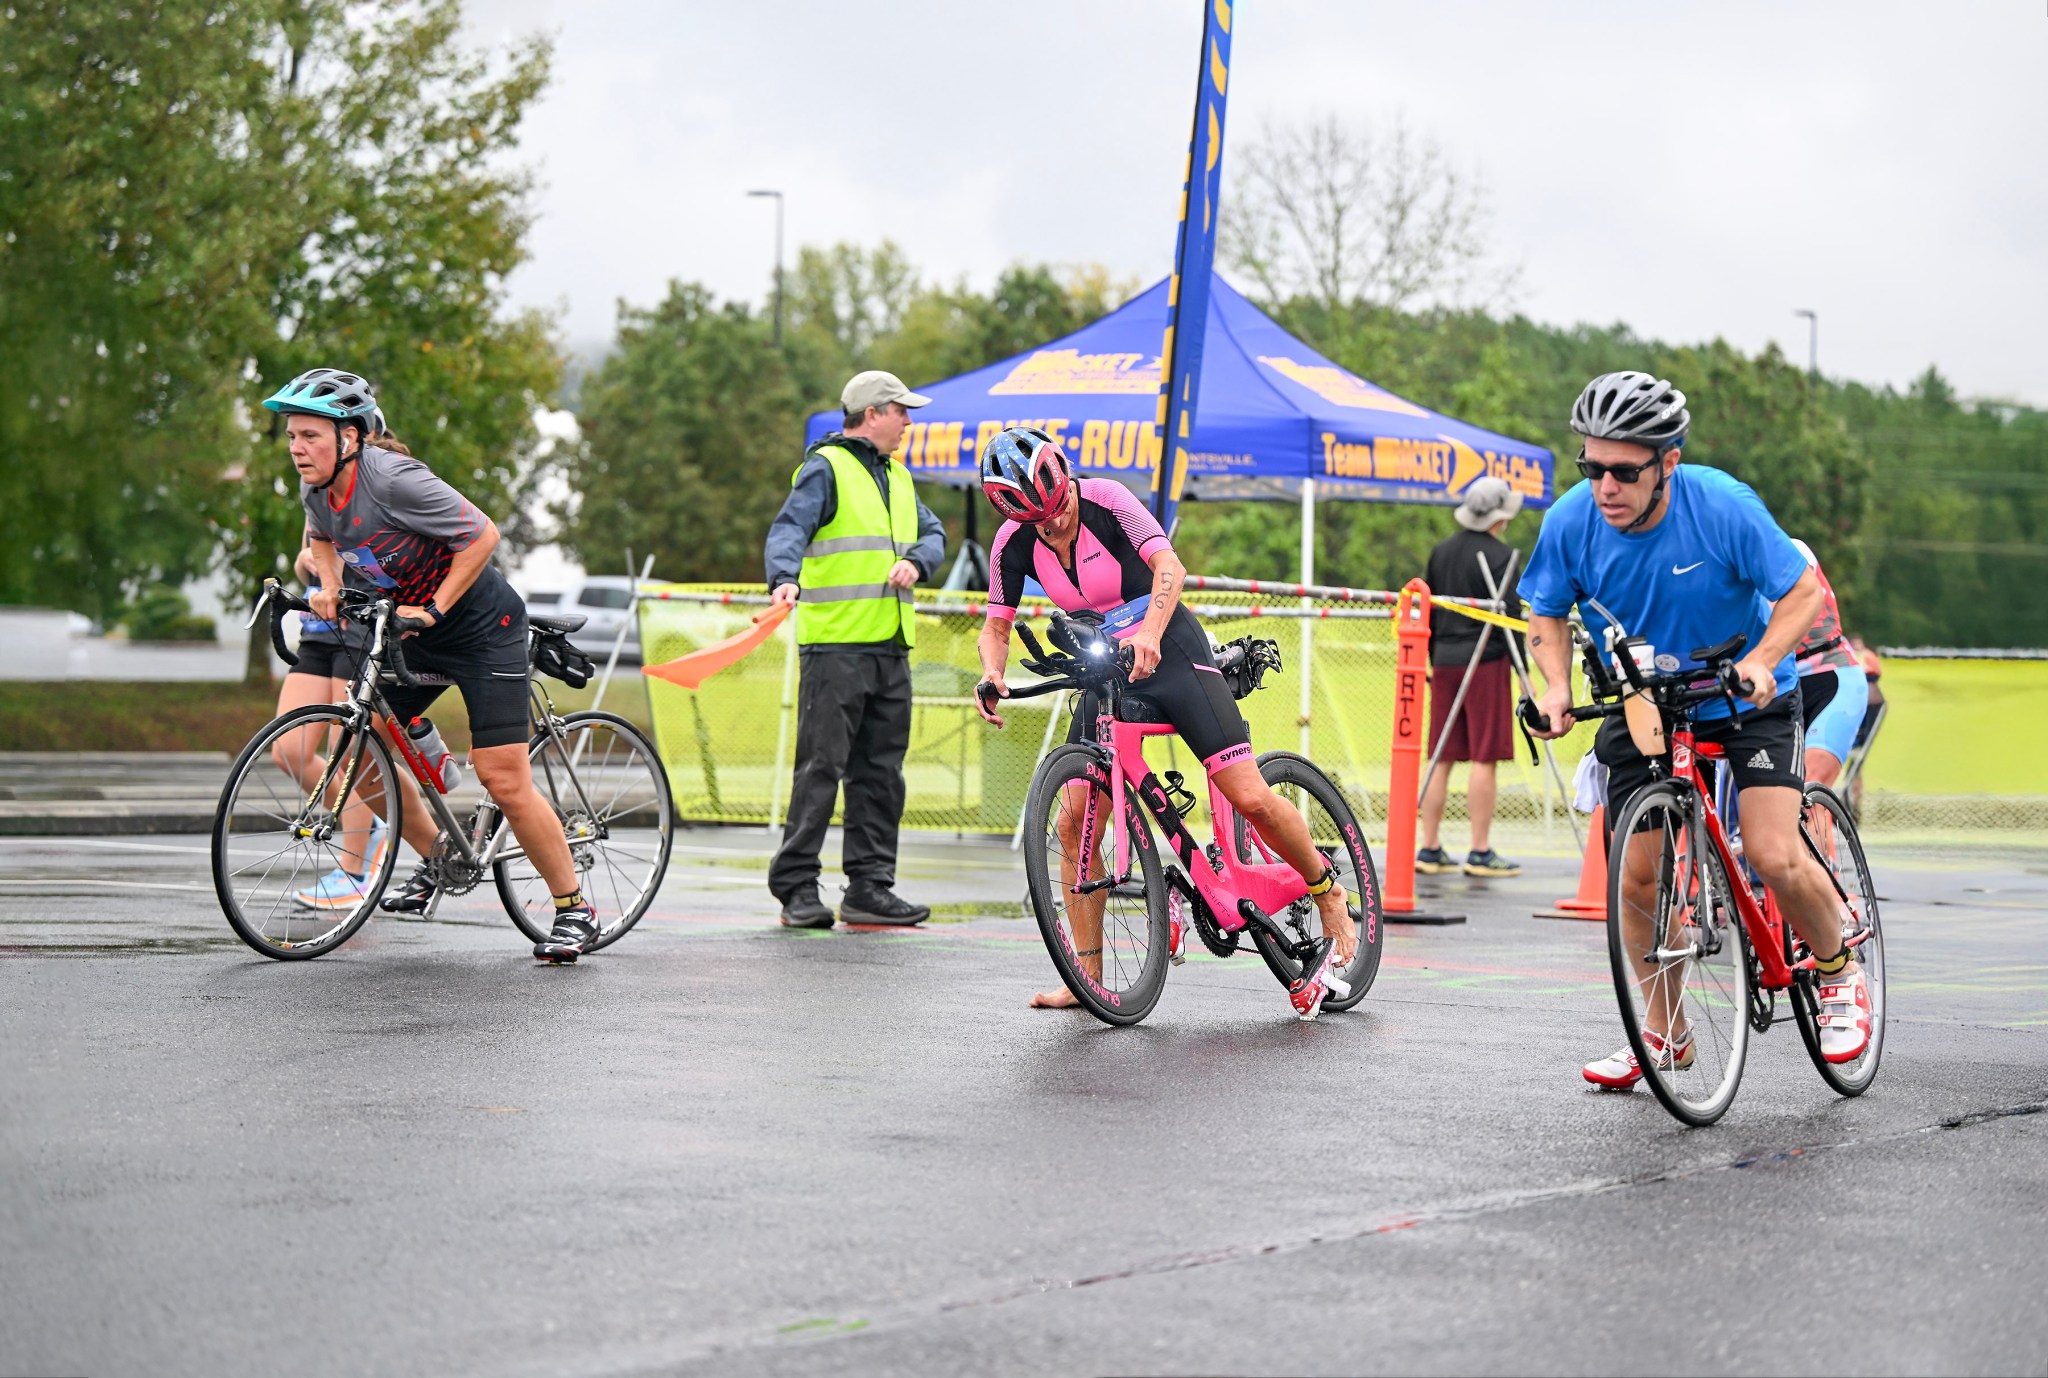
1256,917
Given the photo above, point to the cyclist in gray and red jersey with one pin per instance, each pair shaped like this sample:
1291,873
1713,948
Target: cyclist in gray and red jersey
383,522
1092,546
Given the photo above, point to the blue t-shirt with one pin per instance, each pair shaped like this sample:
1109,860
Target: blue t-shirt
1711,567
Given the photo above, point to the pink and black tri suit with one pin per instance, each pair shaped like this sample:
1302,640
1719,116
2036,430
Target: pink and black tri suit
1110,575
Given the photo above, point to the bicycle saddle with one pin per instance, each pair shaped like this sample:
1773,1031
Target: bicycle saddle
556,622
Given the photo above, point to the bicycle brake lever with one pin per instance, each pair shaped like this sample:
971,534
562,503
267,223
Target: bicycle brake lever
262,602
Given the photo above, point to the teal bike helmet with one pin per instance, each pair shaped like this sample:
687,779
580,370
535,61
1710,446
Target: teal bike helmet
343,398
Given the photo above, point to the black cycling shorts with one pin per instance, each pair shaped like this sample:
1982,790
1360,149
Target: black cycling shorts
491,676
328,659
1817,692
1765,746
1188,691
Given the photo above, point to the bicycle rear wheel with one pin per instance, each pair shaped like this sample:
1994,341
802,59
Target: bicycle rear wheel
299,858
1068,844
610,790
1830,834
1681,968
1336,833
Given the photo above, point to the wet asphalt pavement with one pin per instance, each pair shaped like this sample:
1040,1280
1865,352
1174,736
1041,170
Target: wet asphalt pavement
722,1148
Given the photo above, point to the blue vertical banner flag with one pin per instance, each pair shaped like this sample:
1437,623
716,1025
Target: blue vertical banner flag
1194,260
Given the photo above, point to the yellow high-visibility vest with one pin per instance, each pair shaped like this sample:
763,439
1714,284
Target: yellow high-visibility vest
845,577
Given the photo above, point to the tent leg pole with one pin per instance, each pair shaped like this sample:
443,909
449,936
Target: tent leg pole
1308,639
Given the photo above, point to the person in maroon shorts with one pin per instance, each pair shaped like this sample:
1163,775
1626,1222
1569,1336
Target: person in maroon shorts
1484,731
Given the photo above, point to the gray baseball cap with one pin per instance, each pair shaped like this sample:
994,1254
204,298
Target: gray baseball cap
1487,500
877,389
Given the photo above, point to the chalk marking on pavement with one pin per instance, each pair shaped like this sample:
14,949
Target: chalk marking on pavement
199,849
93,880
1447,1214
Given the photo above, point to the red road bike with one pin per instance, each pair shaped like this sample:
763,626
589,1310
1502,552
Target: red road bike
1709,952
1113,916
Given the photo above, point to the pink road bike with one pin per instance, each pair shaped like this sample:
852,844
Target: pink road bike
1113,914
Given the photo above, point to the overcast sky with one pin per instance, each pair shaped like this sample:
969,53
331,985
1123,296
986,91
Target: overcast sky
1693,169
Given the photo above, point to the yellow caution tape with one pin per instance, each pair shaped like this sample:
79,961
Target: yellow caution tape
1513,624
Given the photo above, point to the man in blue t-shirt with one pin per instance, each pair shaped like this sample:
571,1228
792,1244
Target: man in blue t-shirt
1686,558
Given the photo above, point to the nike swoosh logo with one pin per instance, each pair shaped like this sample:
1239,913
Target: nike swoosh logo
1689,568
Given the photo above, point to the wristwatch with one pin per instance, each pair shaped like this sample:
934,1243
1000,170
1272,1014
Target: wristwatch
430,607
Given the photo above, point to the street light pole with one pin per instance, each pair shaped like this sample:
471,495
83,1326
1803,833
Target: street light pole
778,261
1812,344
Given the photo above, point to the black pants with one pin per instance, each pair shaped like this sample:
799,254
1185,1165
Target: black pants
853,724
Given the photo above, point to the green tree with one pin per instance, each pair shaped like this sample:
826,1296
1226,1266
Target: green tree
131,196
691,432
205,200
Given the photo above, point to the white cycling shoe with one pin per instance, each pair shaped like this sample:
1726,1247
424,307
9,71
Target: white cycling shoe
1844,1015
1619,1070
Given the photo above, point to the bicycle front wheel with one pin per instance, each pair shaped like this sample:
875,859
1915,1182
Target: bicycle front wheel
1681,967
1110,942
306,833
1829,834
608,786
1335,831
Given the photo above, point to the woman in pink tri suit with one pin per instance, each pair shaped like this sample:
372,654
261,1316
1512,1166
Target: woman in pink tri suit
1093,546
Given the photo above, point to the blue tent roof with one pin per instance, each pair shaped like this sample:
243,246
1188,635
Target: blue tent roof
1273,411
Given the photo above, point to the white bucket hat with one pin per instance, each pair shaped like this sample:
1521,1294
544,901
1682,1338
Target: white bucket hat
1487,500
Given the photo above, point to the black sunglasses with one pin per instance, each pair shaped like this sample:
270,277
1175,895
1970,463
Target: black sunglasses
1621,473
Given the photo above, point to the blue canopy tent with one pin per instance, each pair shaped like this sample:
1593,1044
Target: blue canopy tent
1277,420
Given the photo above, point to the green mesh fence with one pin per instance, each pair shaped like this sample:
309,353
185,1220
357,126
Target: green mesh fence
1956,759
729,745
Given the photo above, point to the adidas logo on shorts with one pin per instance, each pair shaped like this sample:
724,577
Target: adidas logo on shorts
1761,761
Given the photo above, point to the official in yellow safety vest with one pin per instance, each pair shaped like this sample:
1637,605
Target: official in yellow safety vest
849,544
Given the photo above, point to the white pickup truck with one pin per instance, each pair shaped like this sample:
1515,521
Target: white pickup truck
607,600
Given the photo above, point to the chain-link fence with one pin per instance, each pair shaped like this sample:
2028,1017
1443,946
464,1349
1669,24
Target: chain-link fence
729,745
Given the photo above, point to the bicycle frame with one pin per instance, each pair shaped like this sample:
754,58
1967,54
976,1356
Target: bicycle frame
366,702
1760,917
1244,892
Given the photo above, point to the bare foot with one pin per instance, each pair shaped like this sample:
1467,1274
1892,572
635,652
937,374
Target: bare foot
1059,998
1337,923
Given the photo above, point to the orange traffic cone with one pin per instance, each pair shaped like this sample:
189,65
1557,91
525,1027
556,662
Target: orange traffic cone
1591,900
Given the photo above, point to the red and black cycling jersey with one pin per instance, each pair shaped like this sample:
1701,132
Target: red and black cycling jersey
397,527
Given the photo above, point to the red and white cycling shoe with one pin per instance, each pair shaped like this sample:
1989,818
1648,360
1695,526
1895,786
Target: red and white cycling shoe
1619,1070
1318,979
1844,1016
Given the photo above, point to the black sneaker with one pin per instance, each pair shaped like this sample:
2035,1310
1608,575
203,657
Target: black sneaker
575,930
415,895
805,910
1489,863
873,904
1432,861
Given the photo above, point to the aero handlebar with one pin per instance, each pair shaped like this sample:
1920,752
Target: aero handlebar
1673,692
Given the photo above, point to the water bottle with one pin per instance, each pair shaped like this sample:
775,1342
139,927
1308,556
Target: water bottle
442,767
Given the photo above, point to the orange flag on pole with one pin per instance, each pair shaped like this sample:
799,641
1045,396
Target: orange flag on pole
693,669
